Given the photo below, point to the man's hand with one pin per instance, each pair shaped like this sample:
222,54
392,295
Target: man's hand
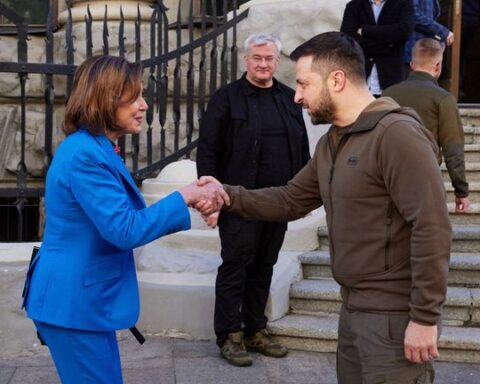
207,179
420,344
206,195
450,38
461,204
211,220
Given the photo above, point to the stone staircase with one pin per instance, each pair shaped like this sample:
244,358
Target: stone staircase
311,323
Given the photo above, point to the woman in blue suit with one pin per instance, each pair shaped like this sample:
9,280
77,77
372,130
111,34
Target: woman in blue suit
82,284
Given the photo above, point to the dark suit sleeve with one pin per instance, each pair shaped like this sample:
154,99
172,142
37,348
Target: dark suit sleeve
375,39
350,22
397,32
213,128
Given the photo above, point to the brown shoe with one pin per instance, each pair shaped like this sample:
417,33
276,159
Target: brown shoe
233,350
261,342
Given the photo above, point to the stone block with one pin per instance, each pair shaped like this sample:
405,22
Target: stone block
457,305
475,305
34,136
464,269
9,82
314,307
183,304
177,290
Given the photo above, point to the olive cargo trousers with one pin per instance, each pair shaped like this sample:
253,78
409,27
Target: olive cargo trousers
370,351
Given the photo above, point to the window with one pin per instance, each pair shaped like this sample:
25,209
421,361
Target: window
35,13
10,220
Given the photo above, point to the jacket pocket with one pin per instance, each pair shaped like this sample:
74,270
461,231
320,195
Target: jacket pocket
242,134
388,235
102,271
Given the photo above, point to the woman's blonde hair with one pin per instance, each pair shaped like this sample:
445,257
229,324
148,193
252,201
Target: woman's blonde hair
99,85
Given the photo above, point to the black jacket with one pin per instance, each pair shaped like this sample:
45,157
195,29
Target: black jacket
383,42
229,142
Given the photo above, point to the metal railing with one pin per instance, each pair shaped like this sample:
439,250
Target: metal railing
210,67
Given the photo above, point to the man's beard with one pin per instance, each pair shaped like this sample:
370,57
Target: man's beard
324,112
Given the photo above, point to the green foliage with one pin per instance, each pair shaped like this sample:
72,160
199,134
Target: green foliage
35,11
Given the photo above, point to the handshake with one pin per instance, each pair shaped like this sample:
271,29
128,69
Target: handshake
207,196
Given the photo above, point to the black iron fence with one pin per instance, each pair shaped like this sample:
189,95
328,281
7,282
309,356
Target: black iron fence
204,61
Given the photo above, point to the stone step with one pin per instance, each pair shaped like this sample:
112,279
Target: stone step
470,217
319,334
472,170
471,134
466,238
472,153
470,116
464,267
317,297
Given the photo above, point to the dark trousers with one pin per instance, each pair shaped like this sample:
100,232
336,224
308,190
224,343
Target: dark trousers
249,252
370,351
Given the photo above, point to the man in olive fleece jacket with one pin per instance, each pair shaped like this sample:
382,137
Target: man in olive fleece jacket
438,111
377,176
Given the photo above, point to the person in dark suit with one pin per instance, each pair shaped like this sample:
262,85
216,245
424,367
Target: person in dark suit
381,27
252,134
82,284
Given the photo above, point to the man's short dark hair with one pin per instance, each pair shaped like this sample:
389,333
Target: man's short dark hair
332,51
426,51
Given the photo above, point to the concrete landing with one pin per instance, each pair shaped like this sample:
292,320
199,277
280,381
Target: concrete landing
163,360
184,301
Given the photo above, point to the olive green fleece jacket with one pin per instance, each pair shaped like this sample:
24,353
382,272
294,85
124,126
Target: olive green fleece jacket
439,112
387,217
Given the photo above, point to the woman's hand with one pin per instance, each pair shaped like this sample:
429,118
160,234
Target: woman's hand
206,195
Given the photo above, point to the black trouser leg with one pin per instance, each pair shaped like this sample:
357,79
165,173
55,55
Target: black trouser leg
237,238
268,241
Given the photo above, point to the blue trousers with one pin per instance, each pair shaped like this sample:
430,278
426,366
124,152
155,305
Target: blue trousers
83,356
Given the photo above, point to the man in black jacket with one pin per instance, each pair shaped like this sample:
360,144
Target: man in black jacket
381,27
252,134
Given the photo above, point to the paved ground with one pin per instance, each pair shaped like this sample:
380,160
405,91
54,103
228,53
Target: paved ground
163,360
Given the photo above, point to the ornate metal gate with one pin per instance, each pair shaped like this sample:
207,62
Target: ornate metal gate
208,58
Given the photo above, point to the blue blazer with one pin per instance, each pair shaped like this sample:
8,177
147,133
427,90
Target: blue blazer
84,275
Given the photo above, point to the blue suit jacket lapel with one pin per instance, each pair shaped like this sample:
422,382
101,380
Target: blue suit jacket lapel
118,163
